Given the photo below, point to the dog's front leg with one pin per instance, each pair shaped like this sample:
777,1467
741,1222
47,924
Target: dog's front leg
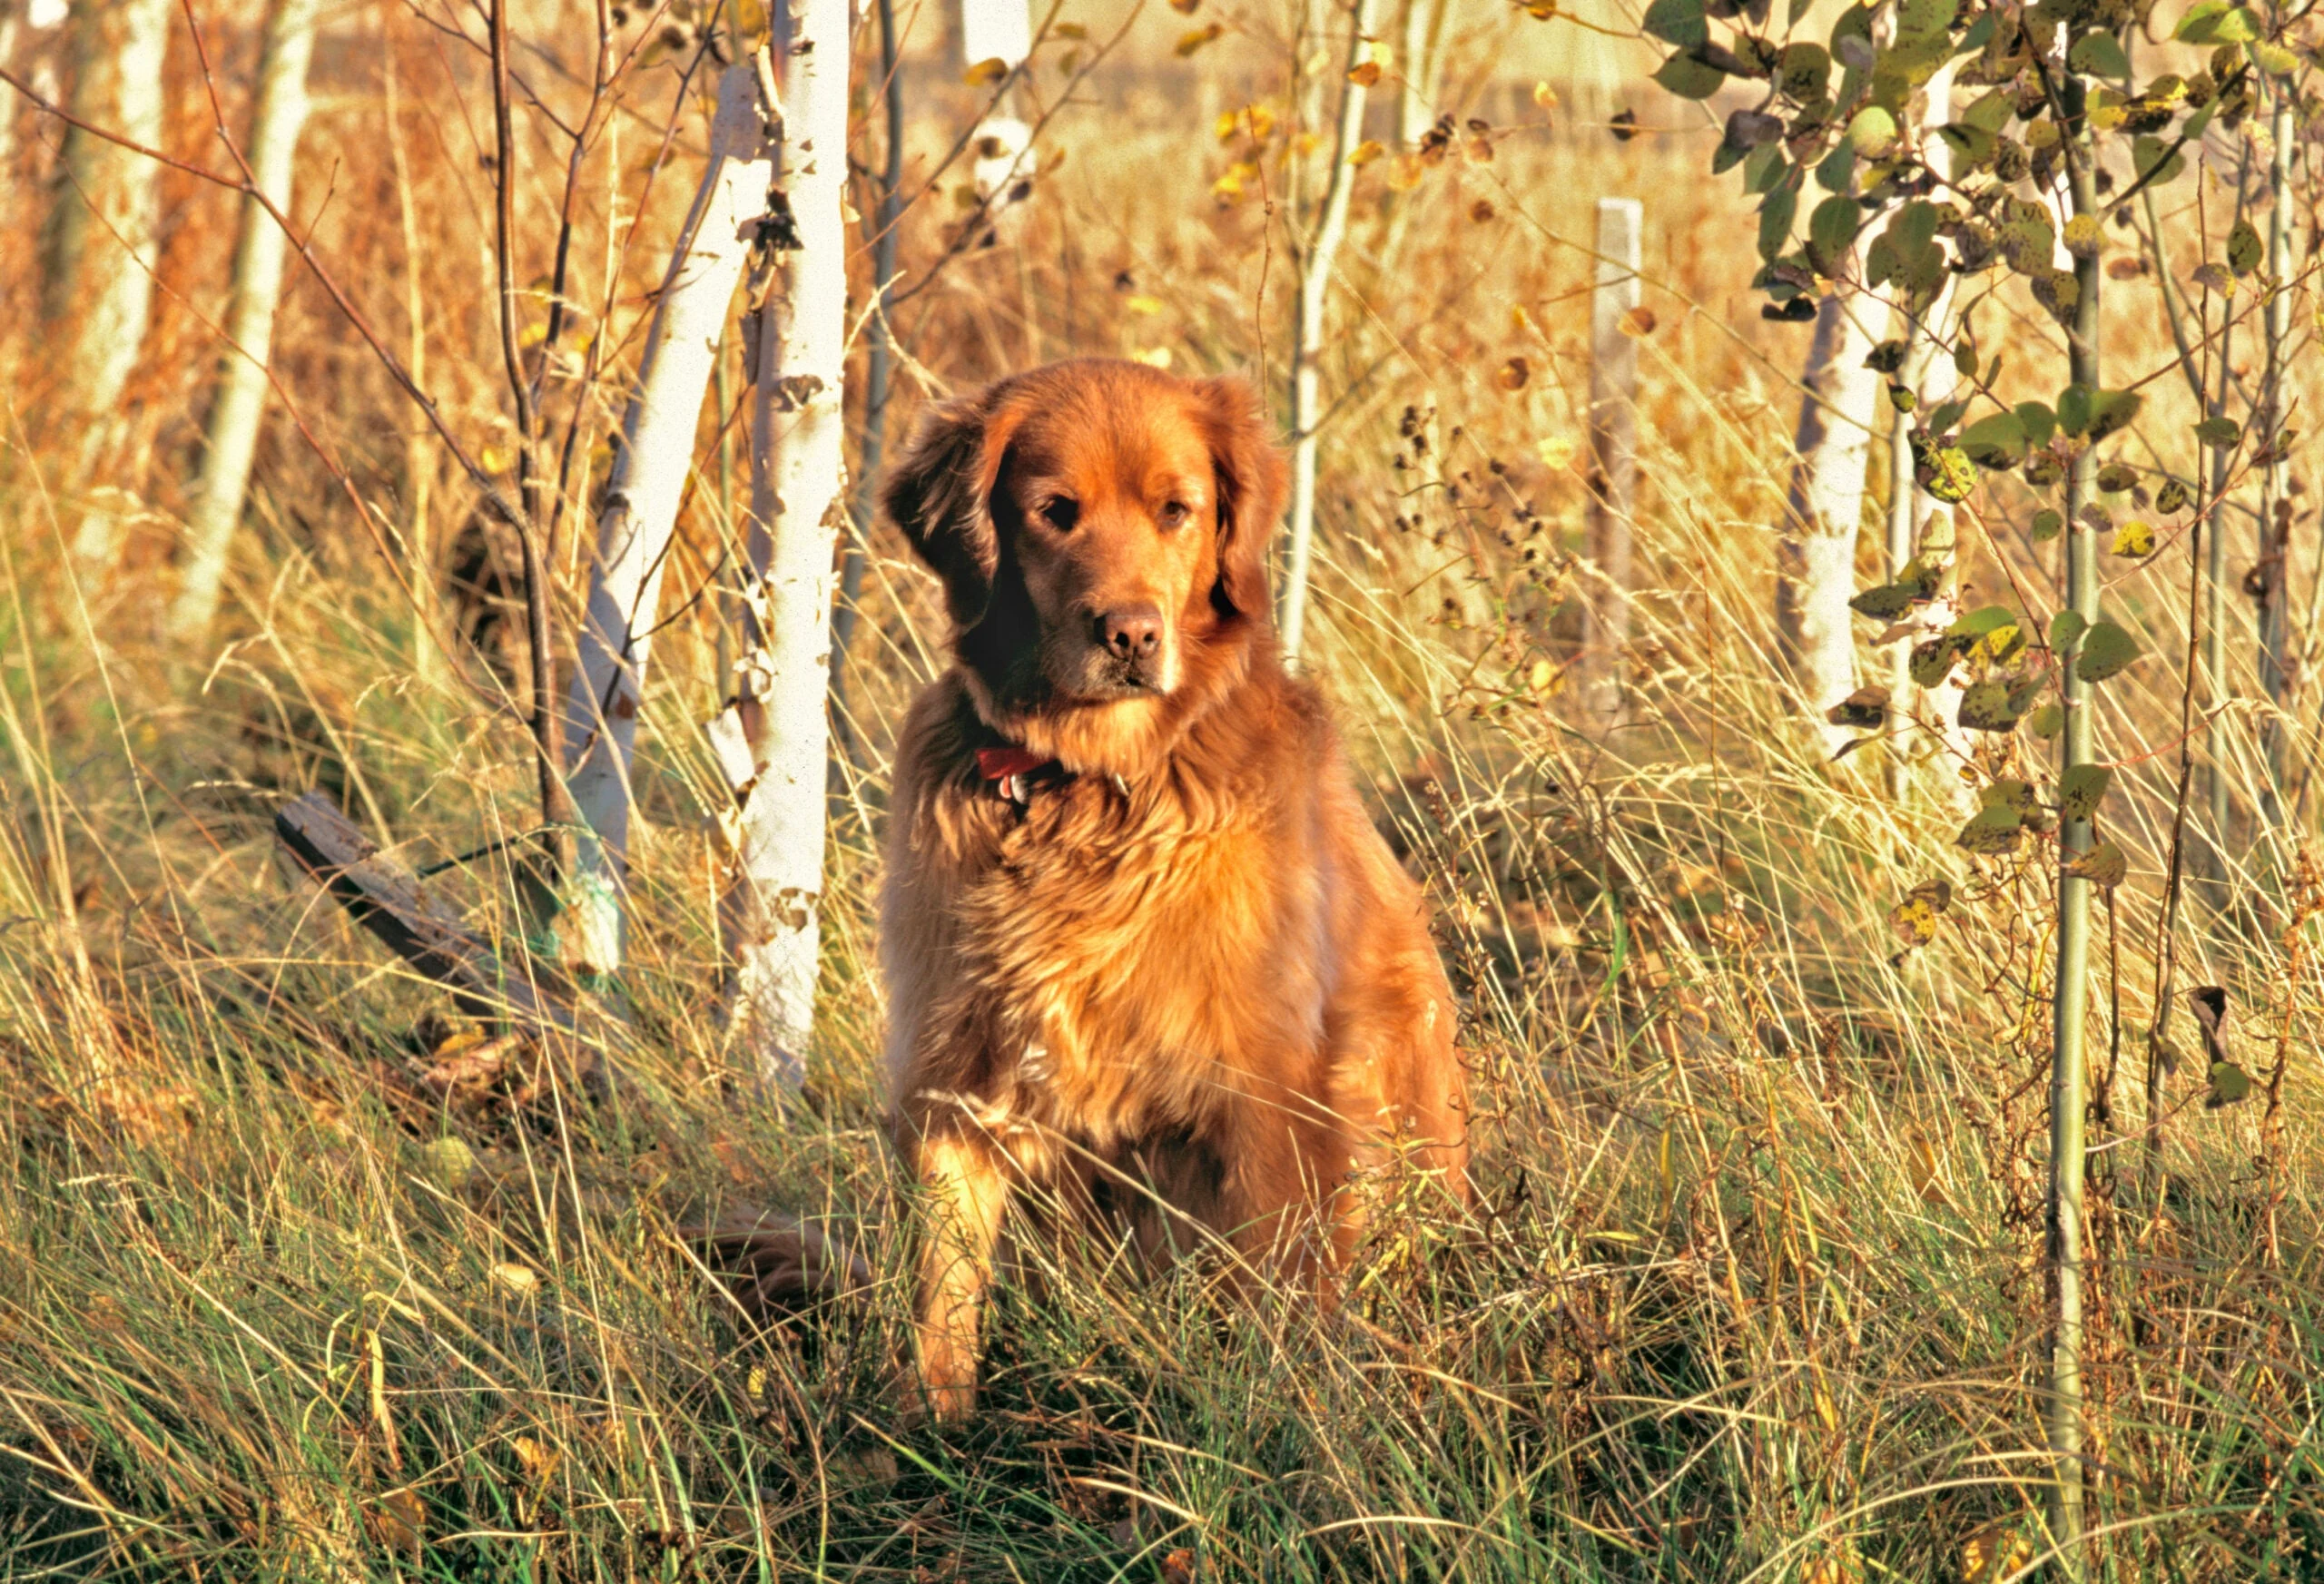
964,1188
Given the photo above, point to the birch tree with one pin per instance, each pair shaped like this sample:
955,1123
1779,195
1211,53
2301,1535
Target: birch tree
640,513
1423,74
773,738
230,437
98,245
1815,560
1315,262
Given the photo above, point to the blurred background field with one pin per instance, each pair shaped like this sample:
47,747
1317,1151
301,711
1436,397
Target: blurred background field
1754,1291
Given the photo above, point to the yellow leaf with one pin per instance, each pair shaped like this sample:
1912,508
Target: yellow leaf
400,1519
1229,122
1186,7
1365,75
1557,450
1142,303
1995,1552
497,459
521,1280
1518,318
1369,150
1152,357
1410,169
1071,30
1540,677
1545,96
532,335
2134,538
538,1461
1188,42
986,73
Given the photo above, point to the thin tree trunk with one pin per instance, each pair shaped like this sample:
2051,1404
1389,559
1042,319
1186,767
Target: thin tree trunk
770,916
1918,523
95,298
877,366
640,515
2068,1062
1816,561
418,457
2275,501
2218,795
1306,377
1423,69
230,440
1613,452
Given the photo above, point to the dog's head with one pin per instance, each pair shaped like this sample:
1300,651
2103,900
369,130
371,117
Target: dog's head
1101,528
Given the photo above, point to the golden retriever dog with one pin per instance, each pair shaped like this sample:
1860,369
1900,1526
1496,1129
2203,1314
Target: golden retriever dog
1144,951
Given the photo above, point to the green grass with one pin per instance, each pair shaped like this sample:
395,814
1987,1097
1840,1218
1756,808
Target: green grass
1753,1291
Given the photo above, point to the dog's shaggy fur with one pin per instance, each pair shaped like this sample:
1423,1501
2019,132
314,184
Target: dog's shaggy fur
1172,971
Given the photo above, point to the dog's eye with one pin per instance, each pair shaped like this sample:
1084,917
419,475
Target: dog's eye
1173,513
1061,512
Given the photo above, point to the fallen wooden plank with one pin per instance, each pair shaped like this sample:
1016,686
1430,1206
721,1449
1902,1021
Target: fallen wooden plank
395,905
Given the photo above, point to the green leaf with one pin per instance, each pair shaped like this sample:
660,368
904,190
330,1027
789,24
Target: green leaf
1867,708
1763,167
2040,423
2229,1083
1678,21
2105,650
2220,432
1830,231
2111,411
1836,171
2074,408
1991,832
1889,601
1985,707
2271,57
1992,112
2171,498
2244,249
2217,22
2100,54
2148,153
1995,627
2080,790
2047,525
1932,661
1873,132
2048,721
1997,441
1776,212
2065,628
2103,866
1802,71
1689,78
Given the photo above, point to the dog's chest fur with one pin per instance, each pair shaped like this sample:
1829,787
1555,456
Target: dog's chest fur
1108,940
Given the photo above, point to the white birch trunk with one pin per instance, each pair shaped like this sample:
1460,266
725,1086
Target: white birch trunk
1306,377
230,441
1423,69
770,916
641,513
1816,562
96,296
1918,523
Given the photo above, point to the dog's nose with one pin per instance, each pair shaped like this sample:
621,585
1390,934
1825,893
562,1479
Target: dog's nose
1132,633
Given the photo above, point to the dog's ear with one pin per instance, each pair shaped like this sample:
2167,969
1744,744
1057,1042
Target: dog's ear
1252,482
941,495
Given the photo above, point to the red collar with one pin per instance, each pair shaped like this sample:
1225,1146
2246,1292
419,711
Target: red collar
1010,768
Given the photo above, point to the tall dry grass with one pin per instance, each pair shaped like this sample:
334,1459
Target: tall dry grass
1753,1292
